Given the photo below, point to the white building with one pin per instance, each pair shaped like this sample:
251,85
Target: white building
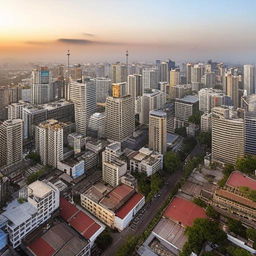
146,160
135,85
21,219
149,79
103,89
249,79
97,124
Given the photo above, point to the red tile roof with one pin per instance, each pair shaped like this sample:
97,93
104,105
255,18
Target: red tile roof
129,205
40,247
184,211
80,221
238,179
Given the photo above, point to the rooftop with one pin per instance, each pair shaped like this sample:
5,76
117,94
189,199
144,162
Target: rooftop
238,179
78,219
39,188
159,113
189,99
59,240
184,211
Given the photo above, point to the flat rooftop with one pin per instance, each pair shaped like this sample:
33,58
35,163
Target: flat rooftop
183,211
238,179
78,219
59,240
171,232
188,99
39,188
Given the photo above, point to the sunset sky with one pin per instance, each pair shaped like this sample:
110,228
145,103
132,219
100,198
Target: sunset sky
99,30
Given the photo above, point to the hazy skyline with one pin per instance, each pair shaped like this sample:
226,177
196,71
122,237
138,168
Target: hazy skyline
99,30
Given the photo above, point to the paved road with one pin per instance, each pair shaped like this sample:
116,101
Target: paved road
153,207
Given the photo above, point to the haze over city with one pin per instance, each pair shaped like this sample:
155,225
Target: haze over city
102,30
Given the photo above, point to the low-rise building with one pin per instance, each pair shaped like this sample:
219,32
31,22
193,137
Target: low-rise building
146,160
22,218
72,167
114,207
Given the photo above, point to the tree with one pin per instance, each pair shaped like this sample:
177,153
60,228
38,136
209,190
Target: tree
195,118
143,183
237,251
181,131
199,202
205,138
171,162
236,227
156,183
202,230
228,169
35,176
34,157
211,213
104,240
188,144
251,234
246,165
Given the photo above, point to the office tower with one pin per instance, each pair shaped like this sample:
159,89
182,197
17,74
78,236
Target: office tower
250,132
4,101
232,87
135,85
171,64
76,72
249,79
26,94
227,136
188,72
103,89
4,189
100,70
83,95
174,77
165,88
97,125
49,137
196,74
119,73
209,98
206,122
150,100
186,107
11,142
41,201
157,131
149,79
42,89
208,80
14,94
15,110
120,118
119,89
163,72
180,90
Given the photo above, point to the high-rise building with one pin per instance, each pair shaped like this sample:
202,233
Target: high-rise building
232,87
42,89
206,122
163,72
227,136
149,79
250,132
119,89
196,74
209,98
97,125
11,142
174,77
135,85
119,73
103,89
120,118
208,80
15,110
180,90
151,100
249,79
49,137
83,95
188,73
158,131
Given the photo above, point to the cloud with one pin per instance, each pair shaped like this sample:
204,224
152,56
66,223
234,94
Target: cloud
75,41
37,42
88,34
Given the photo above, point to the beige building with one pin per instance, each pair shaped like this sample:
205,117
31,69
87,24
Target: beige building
119,89
158,131
120,118
135,85
174,77
232,88
119,73
49,141
227,135
11,142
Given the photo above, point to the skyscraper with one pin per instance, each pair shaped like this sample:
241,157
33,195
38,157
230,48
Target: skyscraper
188,72
249,79
49,141
174,77
11,142
120,118
158,131
103,89
227,136
119,73
83,95
232,83
149,79
164,72
135,85
250,133
42,88
119,89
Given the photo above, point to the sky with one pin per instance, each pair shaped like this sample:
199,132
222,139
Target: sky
102,30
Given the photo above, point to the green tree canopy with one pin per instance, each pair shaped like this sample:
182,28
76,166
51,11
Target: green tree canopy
237,251
171,162
211,213
246,165
205,138
236,227
195,118
104,240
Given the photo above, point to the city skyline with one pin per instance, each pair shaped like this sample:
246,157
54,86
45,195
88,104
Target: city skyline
99,31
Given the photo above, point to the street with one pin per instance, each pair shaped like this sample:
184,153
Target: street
146,217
